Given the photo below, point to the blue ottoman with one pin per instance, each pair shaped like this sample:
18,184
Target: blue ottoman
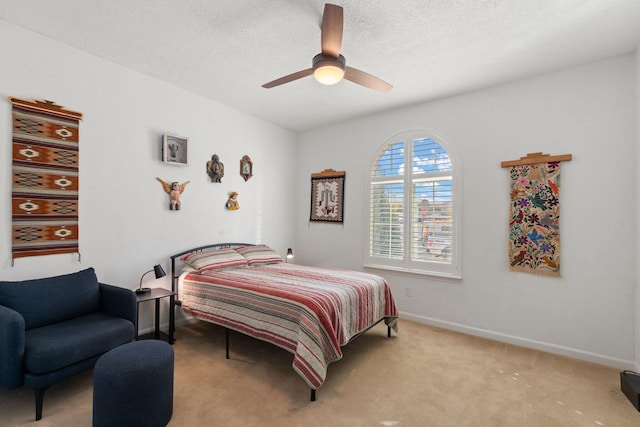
133,385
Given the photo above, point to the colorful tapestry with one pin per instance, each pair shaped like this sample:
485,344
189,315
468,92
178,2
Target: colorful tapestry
45,179
534,231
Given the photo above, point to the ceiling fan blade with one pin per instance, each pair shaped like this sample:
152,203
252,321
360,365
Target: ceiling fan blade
288,78
366,80
332,26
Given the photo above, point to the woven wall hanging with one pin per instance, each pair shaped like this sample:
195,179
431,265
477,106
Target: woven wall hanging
327,196
534,215
45,178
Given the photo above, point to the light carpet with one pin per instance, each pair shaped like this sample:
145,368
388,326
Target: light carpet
423,376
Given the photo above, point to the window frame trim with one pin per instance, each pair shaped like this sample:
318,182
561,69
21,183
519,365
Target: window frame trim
406,265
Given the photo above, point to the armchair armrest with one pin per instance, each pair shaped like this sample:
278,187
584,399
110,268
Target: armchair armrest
120,302
11,347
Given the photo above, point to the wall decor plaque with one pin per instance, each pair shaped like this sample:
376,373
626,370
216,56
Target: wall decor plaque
246,168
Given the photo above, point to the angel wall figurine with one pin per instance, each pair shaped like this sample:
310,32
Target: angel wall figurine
174,190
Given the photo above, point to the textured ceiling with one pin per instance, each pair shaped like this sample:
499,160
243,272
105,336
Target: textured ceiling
427,49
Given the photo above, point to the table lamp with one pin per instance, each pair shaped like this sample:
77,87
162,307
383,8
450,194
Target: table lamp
157,269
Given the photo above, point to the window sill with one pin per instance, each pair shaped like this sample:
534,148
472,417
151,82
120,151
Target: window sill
409,271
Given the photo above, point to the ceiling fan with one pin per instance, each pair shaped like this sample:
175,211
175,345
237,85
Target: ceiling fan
329,67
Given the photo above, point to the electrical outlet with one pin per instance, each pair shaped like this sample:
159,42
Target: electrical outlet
407,292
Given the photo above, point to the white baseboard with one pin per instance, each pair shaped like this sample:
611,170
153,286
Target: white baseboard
164,326
587,356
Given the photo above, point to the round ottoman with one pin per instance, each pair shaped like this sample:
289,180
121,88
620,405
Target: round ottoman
133,385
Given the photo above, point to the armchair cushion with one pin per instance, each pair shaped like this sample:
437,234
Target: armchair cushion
52,299
66,343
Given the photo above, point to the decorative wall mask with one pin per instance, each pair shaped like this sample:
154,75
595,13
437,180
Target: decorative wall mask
232,202
246,168
174,190
215,169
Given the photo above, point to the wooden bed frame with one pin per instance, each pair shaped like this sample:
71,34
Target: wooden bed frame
175,276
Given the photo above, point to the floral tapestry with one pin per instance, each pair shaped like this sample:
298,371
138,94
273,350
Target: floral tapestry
534,232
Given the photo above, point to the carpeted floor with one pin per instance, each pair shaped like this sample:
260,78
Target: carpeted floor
423,376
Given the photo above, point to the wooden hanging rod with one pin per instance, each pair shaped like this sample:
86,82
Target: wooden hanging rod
327,173
533,158
46,106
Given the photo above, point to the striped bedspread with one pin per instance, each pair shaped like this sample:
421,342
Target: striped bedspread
310,312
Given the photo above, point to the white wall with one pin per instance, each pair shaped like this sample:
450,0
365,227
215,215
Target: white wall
125,224
637,193
588,111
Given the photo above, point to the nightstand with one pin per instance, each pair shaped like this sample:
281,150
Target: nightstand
157,294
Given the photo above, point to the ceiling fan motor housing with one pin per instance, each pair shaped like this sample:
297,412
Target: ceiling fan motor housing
327,69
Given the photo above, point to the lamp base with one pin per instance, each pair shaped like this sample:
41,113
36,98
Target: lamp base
143,290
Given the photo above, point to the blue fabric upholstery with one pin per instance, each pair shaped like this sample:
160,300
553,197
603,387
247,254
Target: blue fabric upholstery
62,344
52,299
11,347
133,385
118,302
42,381
56,327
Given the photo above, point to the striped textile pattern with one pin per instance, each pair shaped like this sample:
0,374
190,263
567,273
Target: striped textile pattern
308,311
44,179
259,254
212,260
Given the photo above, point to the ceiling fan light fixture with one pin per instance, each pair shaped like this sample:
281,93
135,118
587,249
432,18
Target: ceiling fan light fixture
328,70
328,74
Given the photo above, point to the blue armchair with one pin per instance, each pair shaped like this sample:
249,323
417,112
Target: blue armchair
56,327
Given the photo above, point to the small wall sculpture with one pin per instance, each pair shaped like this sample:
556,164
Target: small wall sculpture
174,190
215,169
232,202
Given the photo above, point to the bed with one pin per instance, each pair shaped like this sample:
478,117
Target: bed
309,311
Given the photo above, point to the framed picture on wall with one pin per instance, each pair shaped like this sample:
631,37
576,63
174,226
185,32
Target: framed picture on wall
327,196
175,149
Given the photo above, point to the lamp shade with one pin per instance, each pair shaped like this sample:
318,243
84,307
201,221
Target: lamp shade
157,269
289,253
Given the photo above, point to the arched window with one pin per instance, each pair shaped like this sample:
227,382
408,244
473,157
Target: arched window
414,205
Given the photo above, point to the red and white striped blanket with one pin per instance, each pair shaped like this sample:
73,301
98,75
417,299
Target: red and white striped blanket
310,312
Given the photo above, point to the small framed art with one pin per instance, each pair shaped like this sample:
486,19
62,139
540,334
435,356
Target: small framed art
246,168
175,149
327,196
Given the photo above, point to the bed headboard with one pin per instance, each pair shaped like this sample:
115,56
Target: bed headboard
174,273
